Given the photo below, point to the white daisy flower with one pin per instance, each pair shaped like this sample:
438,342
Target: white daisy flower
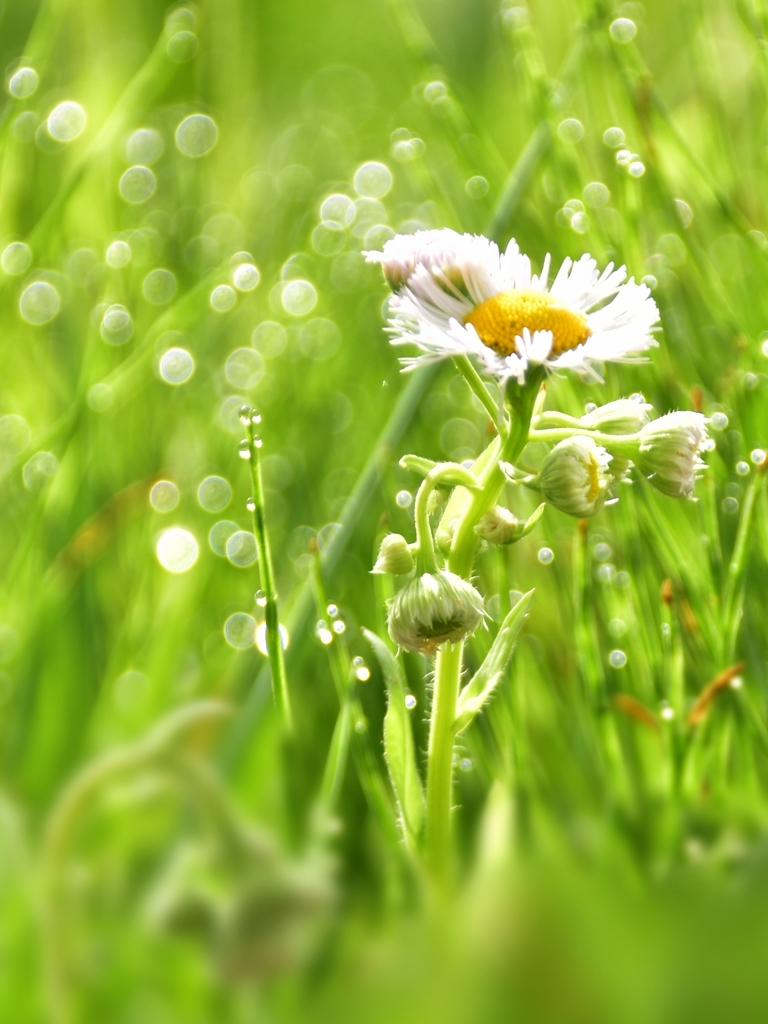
459,295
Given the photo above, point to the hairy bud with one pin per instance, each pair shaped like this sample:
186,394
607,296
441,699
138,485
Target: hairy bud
434,609
394,556
624,416
669,449
574,476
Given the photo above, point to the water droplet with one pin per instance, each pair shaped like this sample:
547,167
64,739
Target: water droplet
666,630
736,683
757,456
361,726
617,628
137,185
66,121
684,212
622,30
404,499
260,598
246,277
750,381
742,468
261,637
730,505
244,448
39,471
145,146
240,630
410,701
637,168
177,549
16,258
708,444
339,627
116,325
270,338
602,552
23,83
362,673
570,130
241,549
719,421
176,366
299,297
250,504
623,580
596,194
244,369
219,535
332,610
214,493
580,223
118,254
617,658
223,298
159,286
256,418
667,712
546,556
606,572
613,137
435,90
373,179
196,135
164,496
182,46
358,661
466,764
39,303
337,209
476,187
624,157
324,635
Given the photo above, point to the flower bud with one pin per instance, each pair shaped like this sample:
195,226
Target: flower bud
624,416
394,556
434,609
669,452
498,526
574,476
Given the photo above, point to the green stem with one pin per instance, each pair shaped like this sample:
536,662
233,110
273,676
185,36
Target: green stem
732,606
449,659
425,559
274,640
464,365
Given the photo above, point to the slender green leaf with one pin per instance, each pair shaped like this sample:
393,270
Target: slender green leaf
482,684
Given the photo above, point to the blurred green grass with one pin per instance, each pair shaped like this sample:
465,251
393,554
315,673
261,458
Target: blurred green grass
98,642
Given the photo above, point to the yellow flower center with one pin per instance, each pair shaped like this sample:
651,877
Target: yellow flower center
500,320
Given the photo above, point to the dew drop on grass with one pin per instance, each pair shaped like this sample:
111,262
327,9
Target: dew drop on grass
337,209
159,286
39,302
240,630
164,496
339,627
333,610
116,325
623,30
145,146
742,468
214,493
39,471
246,277
613,137
219,535
730,505
260,598
684,212
570,130
182,46
373,179
241,549
637,168
362,672
719,421
667,712
476,187
16,258
23,83
617,659
410,701
176,366
323,633
66,121
244,368
137,184
223,298
623,580
596,194
118,254
404,498
270,338
177,550
546,556
466,764
602,552
757,455
299,297
261,637
196,135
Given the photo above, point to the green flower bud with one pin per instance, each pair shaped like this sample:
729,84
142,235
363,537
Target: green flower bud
624,416
434,609
574,476
669,449
500,526
394,556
